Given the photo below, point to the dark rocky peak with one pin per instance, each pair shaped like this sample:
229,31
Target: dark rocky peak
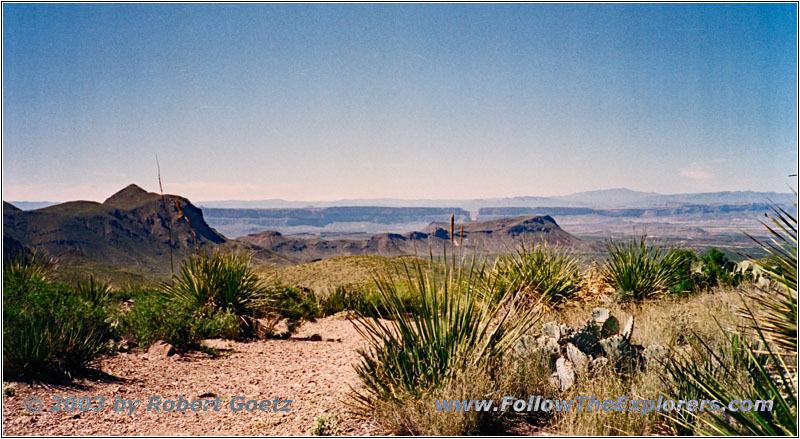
130,197
10,207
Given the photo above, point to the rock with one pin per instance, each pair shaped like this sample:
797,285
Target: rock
552,329
9,389
554,380
548,345
578,358
565,372
598,364
600,315
160,349
628,331
610,327
566,331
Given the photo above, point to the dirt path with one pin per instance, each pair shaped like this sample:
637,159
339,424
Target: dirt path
315,375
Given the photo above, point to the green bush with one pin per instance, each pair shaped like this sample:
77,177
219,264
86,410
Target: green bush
364,300
718,270
551,274
640,271
688,279
284,302
345,298
49,331
180,323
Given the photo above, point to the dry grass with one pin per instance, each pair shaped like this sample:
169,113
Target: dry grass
419,416
324,276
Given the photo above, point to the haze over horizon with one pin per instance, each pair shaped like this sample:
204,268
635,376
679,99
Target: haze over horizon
328,102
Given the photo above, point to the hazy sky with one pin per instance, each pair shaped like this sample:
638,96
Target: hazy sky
321,102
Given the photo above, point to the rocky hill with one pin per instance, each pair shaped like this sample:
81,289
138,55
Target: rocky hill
131,229
494,236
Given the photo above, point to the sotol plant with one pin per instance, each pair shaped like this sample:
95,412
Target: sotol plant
551,274
639,270
456,328
222,281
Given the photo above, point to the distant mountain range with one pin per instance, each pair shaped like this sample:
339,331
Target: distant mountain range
606,199
134,229
496,236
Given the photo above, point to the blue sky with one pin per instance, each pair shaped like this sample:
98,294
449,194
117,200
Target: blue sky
321,102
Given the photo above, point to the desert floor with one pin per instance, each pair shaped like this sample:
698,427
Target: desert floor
315,375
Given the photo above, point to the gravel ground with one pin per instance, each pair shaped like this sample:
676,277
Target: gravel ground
315,375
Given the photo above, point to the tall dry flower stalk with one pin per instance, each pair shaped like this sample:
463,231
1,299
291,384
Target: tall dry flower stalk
169,219
452,228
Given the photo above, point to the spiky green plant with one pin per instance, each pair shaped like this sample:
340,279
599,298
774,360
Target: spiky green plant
552,274
223,281
456,327
758,361
639,270
49,332
95,292
23,270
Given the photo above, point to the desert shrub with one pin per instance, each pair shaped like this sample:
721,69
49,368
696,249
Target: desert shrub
639,270
687,279
344,298
181,323
280,301
755,362
328,426
365,300
413,356
718,270
552,274
49,331
222,281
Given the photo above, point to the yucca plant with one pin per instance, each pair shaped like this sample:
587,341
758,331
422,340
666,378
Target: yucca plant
97,293
552,274
455,328
49,332
22,270
758,361
639,270
223,281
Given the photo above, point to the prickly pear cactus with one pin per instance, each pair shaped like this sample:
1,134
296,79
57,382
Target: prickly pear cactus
610,327
621,352
585,339
616,347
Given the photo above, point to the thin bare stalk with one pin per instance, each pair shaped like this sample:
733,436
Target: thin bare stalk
169,220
